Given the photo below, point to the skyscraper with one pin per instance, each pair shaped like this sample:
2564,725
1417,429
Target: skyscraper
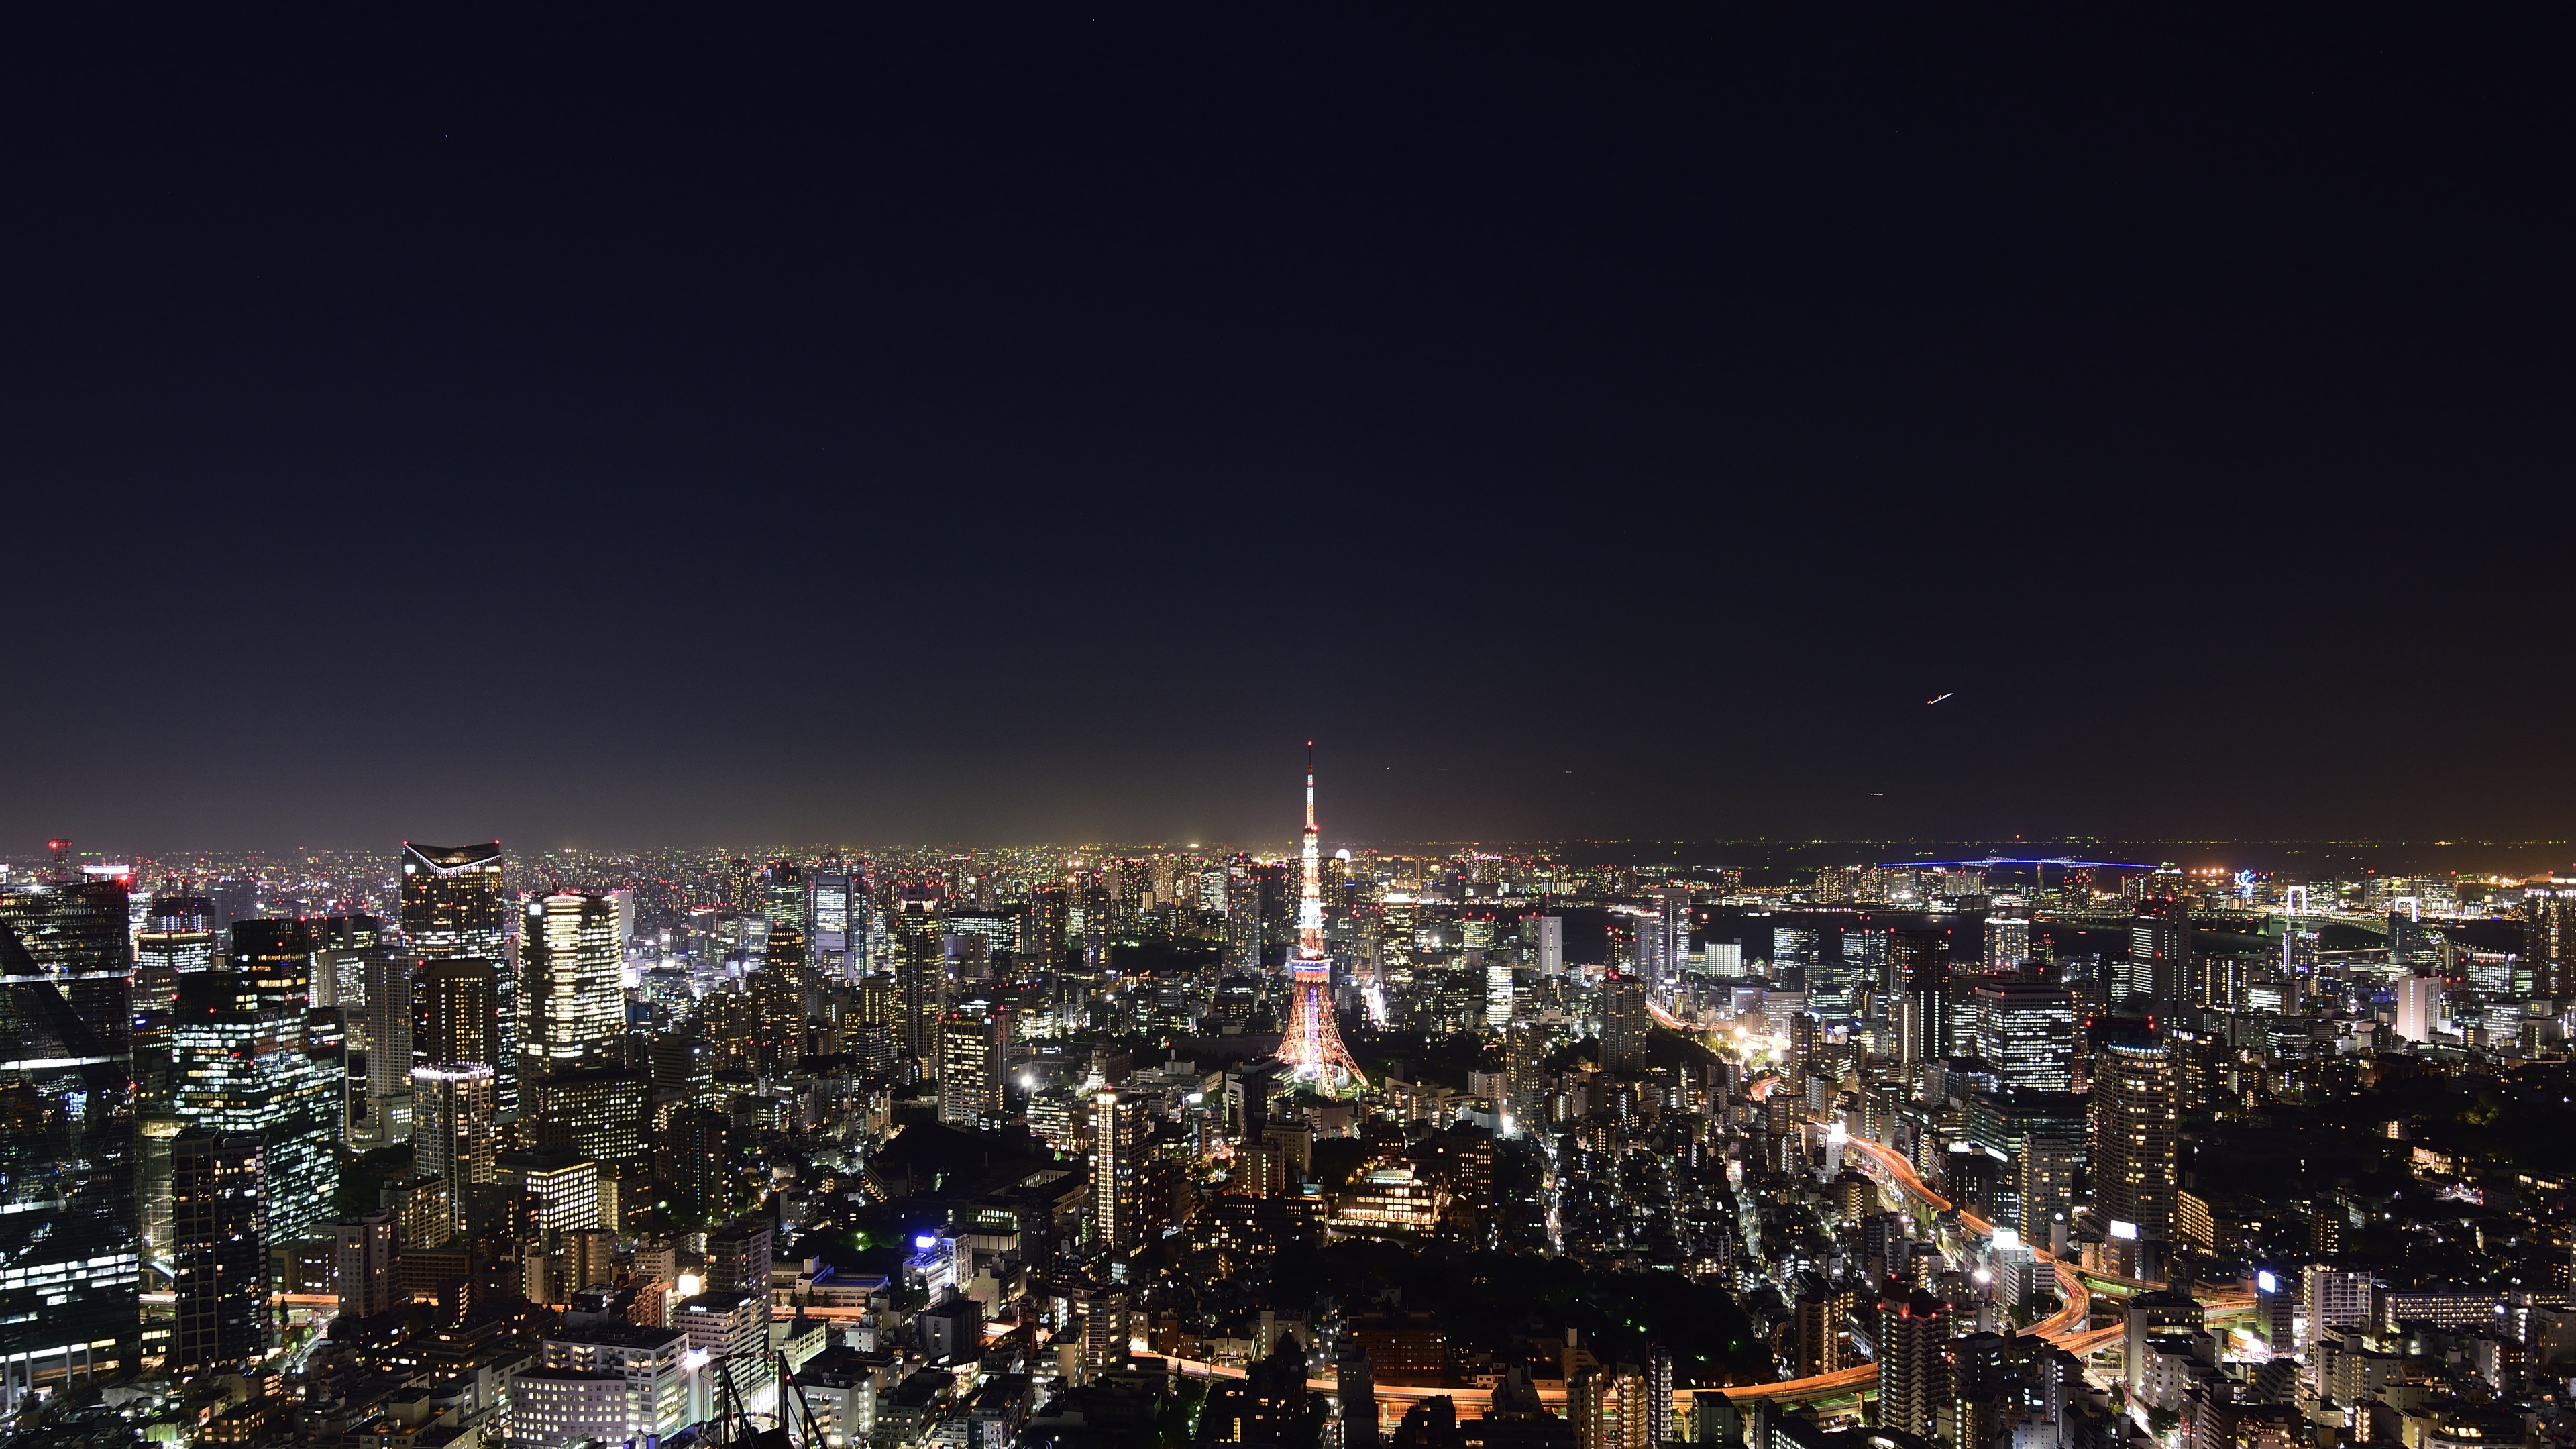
274,959
2027,1030
571,1009
455,1013
1551,946
1673,915
453,910
2549,934
2160,949
834,938
1919,960
2419,1007
218,1186
1913,1362
454,1131
242,1070
1113,1172
970,1070
71,1252
1623,1021
2134,1111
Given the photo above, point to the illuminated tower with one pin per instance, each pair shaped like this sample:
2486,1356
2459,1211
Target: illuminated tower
1312,1047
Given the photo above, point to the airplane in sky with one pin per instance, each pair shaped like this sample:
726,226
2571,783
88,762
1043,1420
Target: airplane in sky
1936,699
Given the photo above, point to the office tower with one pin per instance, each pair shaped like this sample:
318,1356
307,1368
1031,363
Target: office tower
2135,1096
362,1261
2419,1007
1673,917
572,1011
242,1069
1623,1021
836,943
2007,941
456,1013
176,939
342,946
453,910
1042,932
1659,1396
2549,934
2044,1169
1242,918
454,1126
1919,964
1865,967
1113,1172
970,1071
234,898
68,1163
2159,966
1913,1362
220,1250
384,1026
783,895
2027,1030
1551,946
274,958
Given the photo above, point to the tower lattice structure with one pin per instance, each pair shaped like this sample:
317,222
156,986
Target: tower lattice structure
1312,1046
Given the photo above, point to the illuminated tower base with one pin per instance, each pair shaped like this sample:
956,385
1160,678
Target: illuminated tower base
1312,1048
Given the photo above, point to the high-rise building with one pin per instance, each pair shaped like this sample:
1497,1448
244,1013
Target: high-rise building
1919,962
456,1013
572,1011
2419,1007
177,938
1113,1172
274,959
836,935
67,1156
1913,1362
454,1127
1673,916
1551,946
2135,1107
2007,941
362,1268
970,1070
219,1254
2027,1030
453,910
241,1069
1623,1021
2549,934
382,1027
2159,965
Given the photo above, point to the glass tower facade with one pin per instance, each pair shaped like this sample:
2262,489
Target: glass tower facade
453,910
71,1261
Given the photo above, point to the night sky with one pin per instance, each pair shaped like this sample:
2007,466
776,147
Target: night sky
623,426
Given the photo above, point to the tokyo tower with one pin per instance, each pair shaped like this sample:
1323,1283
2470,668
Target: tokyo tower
1312,1047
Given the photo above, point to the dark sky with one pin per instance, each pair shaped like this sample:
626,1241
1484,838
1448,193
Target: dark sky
638,424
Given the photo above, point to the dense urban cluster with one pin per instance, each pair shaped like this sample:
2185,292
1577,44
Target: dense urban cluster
1161,1147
